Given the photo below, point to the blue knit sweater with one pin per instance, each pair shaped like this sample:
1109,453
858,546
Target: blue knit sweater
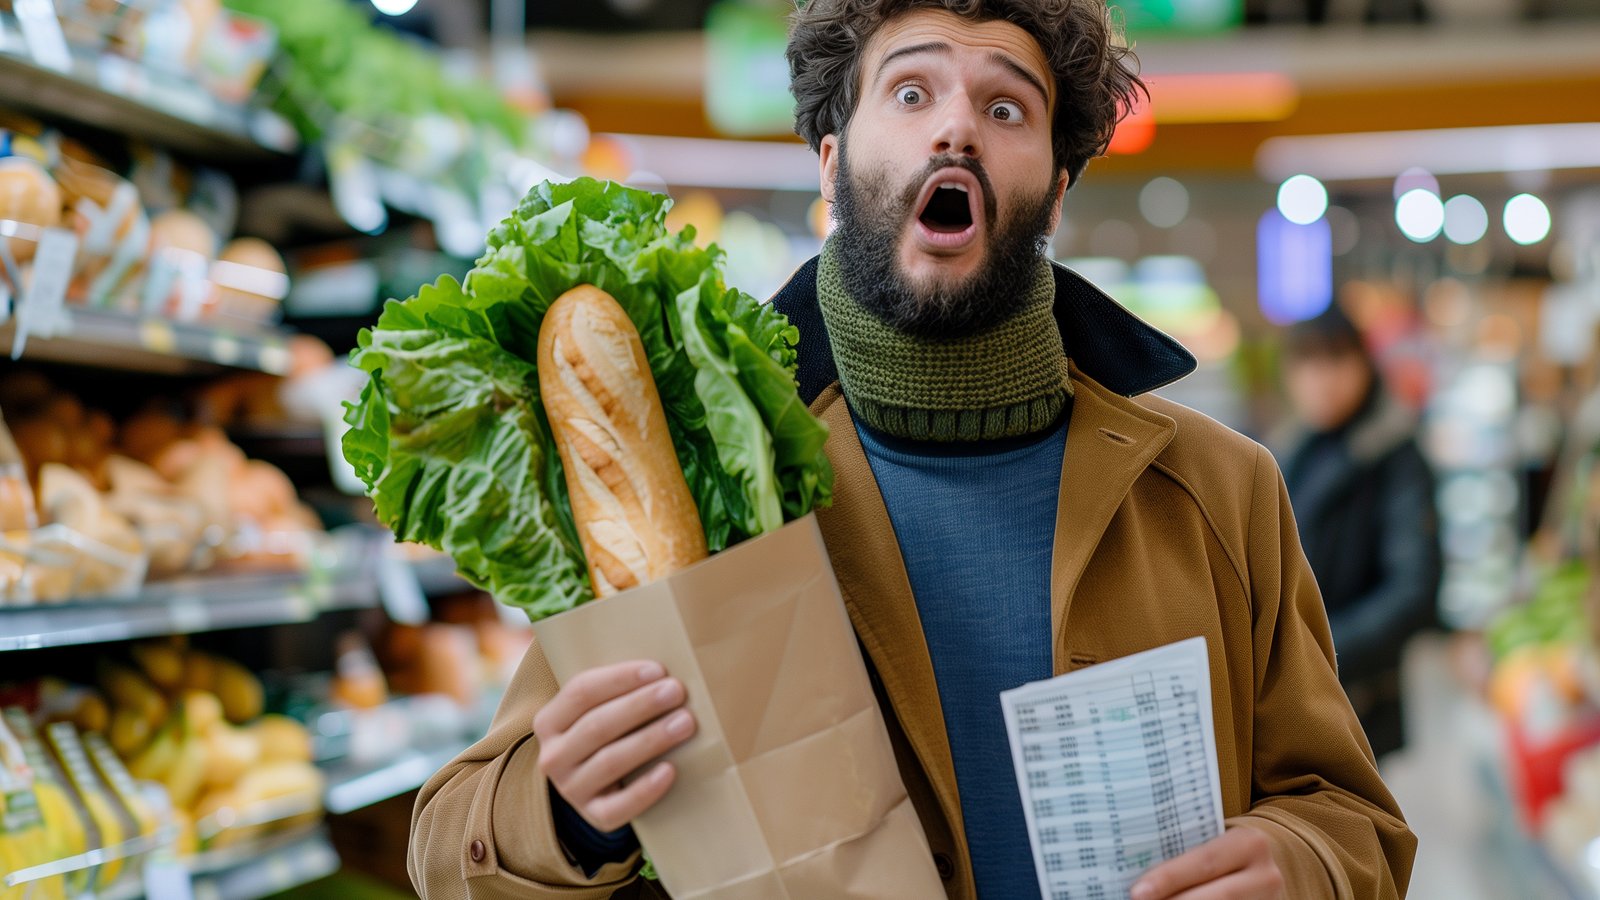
975,525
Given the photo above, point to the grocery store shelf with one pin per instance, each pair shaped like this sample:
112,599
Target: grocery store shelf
352,787
182,606
91,858
252,871
114,94
111,340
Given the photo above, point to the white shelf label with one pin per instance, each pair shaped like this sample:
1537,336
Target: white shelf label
42,309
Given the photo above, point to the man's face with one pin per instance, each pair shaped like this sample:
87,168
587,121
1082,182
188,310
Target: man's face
1328,388
948,191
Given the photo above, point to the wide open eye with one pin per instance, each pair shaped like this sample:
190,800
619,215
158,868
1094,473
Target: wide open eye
1006,111
910,96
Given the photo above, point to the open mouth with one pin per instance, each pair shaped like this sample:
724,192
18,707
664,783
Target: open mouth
949,210
949,215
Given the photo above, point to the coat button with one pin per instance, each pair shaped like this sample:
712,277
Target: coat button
947,868
477,851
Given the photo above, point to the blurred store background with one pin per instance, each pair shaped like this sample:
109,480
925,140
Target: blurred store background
234,683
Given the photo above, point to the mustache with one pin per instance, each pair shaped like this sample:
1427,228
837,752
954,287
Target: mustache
909,196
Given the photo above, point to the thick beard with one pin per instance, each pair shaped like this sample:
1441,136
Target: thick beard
872,218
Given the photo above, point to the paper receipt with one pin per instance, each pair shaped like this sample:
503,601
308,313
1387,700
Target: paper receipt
1117,764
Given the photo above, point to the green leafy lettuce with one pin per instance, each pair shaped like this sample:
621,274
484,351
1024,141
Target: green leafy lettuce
451,439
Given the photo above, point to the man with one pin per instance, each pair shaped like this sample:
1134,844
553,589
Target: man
1003,511
1363,496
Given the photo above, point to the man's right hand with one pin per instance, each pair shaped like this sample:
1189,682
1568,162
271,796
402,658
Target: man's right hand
602,726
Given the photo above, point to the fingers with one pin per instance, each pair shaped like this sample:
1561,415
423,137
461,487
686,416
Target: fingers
589,689
613,762
612,810
1255,883
604,724
1235,851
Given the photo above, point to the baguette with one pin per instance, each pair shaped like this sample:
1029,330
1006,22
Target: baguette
635,516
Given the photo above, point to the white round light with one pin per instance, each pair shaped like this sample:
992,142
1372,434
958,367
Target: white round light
1415,178
1302,199
1164,202
1420,215
1465,219
1527,219
394,7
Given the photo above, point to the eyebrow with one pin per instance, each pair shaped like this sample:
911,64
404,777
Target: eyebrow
1017,70
943,49
939,47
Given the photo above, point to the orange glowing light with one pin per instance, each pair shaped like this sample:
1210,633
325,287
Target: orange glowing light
1135,133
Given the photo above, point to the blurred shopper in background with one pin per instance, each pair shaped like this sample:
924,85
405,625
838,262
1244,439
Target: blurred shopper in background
1363,498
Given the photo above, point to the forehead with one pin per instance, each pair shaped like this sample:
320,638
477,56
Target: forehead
963,35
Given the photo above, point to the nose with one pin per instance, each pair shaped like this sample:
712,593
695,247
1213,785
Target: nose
957,131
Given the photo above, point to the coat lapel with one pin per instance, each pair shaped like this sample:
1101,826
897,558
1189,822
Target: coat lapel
1110,441
877,593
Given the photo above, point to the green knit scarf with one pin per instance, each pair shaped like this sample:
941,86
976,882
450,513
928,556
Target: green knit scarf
1008,380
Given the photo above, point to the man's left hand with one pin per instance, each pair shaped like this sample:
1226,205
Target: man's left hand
1236,866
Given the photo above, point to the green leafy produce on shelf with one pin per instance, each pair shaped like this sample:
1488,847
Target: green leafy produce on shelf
338,59
1555,614
450,435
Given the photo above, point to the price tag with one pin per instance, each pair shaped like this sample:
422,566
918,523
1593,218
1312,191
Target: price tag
46,297
189,615
42,309
42,30
274,359
401,590
225,350
157,336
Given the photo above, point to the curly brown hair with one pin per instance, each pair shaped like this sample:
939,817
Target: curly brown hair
1095,72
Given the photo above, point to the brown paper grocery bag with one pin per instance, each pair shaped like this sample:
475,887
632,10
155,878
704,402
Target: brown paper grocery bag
789,788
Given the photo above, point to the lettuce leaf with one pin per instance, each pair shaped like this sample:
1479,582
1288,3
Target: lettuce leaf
450,436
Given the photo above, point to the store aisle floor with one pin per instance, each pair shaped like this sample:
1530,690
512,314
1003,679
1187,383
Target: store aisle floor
1447,781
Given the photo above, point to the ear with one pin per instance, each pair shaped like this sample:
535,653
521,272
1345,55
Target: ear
828,164
1063,180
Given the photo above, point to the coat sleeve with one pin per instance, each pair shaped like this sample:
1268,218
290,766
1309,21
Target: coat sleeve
494,793
1369,632
1315,791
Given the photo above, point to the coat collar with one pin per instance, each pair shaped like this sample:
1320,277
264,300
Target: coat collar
1111,441
1108,344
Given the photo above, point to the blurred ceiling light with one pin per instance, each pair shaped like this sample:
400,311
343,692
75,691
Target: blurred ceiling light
1443,151
1465,219
394,7
1164,202
1415,178
1527,219
710,163
1294,268
1223,97
1420,215
1302,199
